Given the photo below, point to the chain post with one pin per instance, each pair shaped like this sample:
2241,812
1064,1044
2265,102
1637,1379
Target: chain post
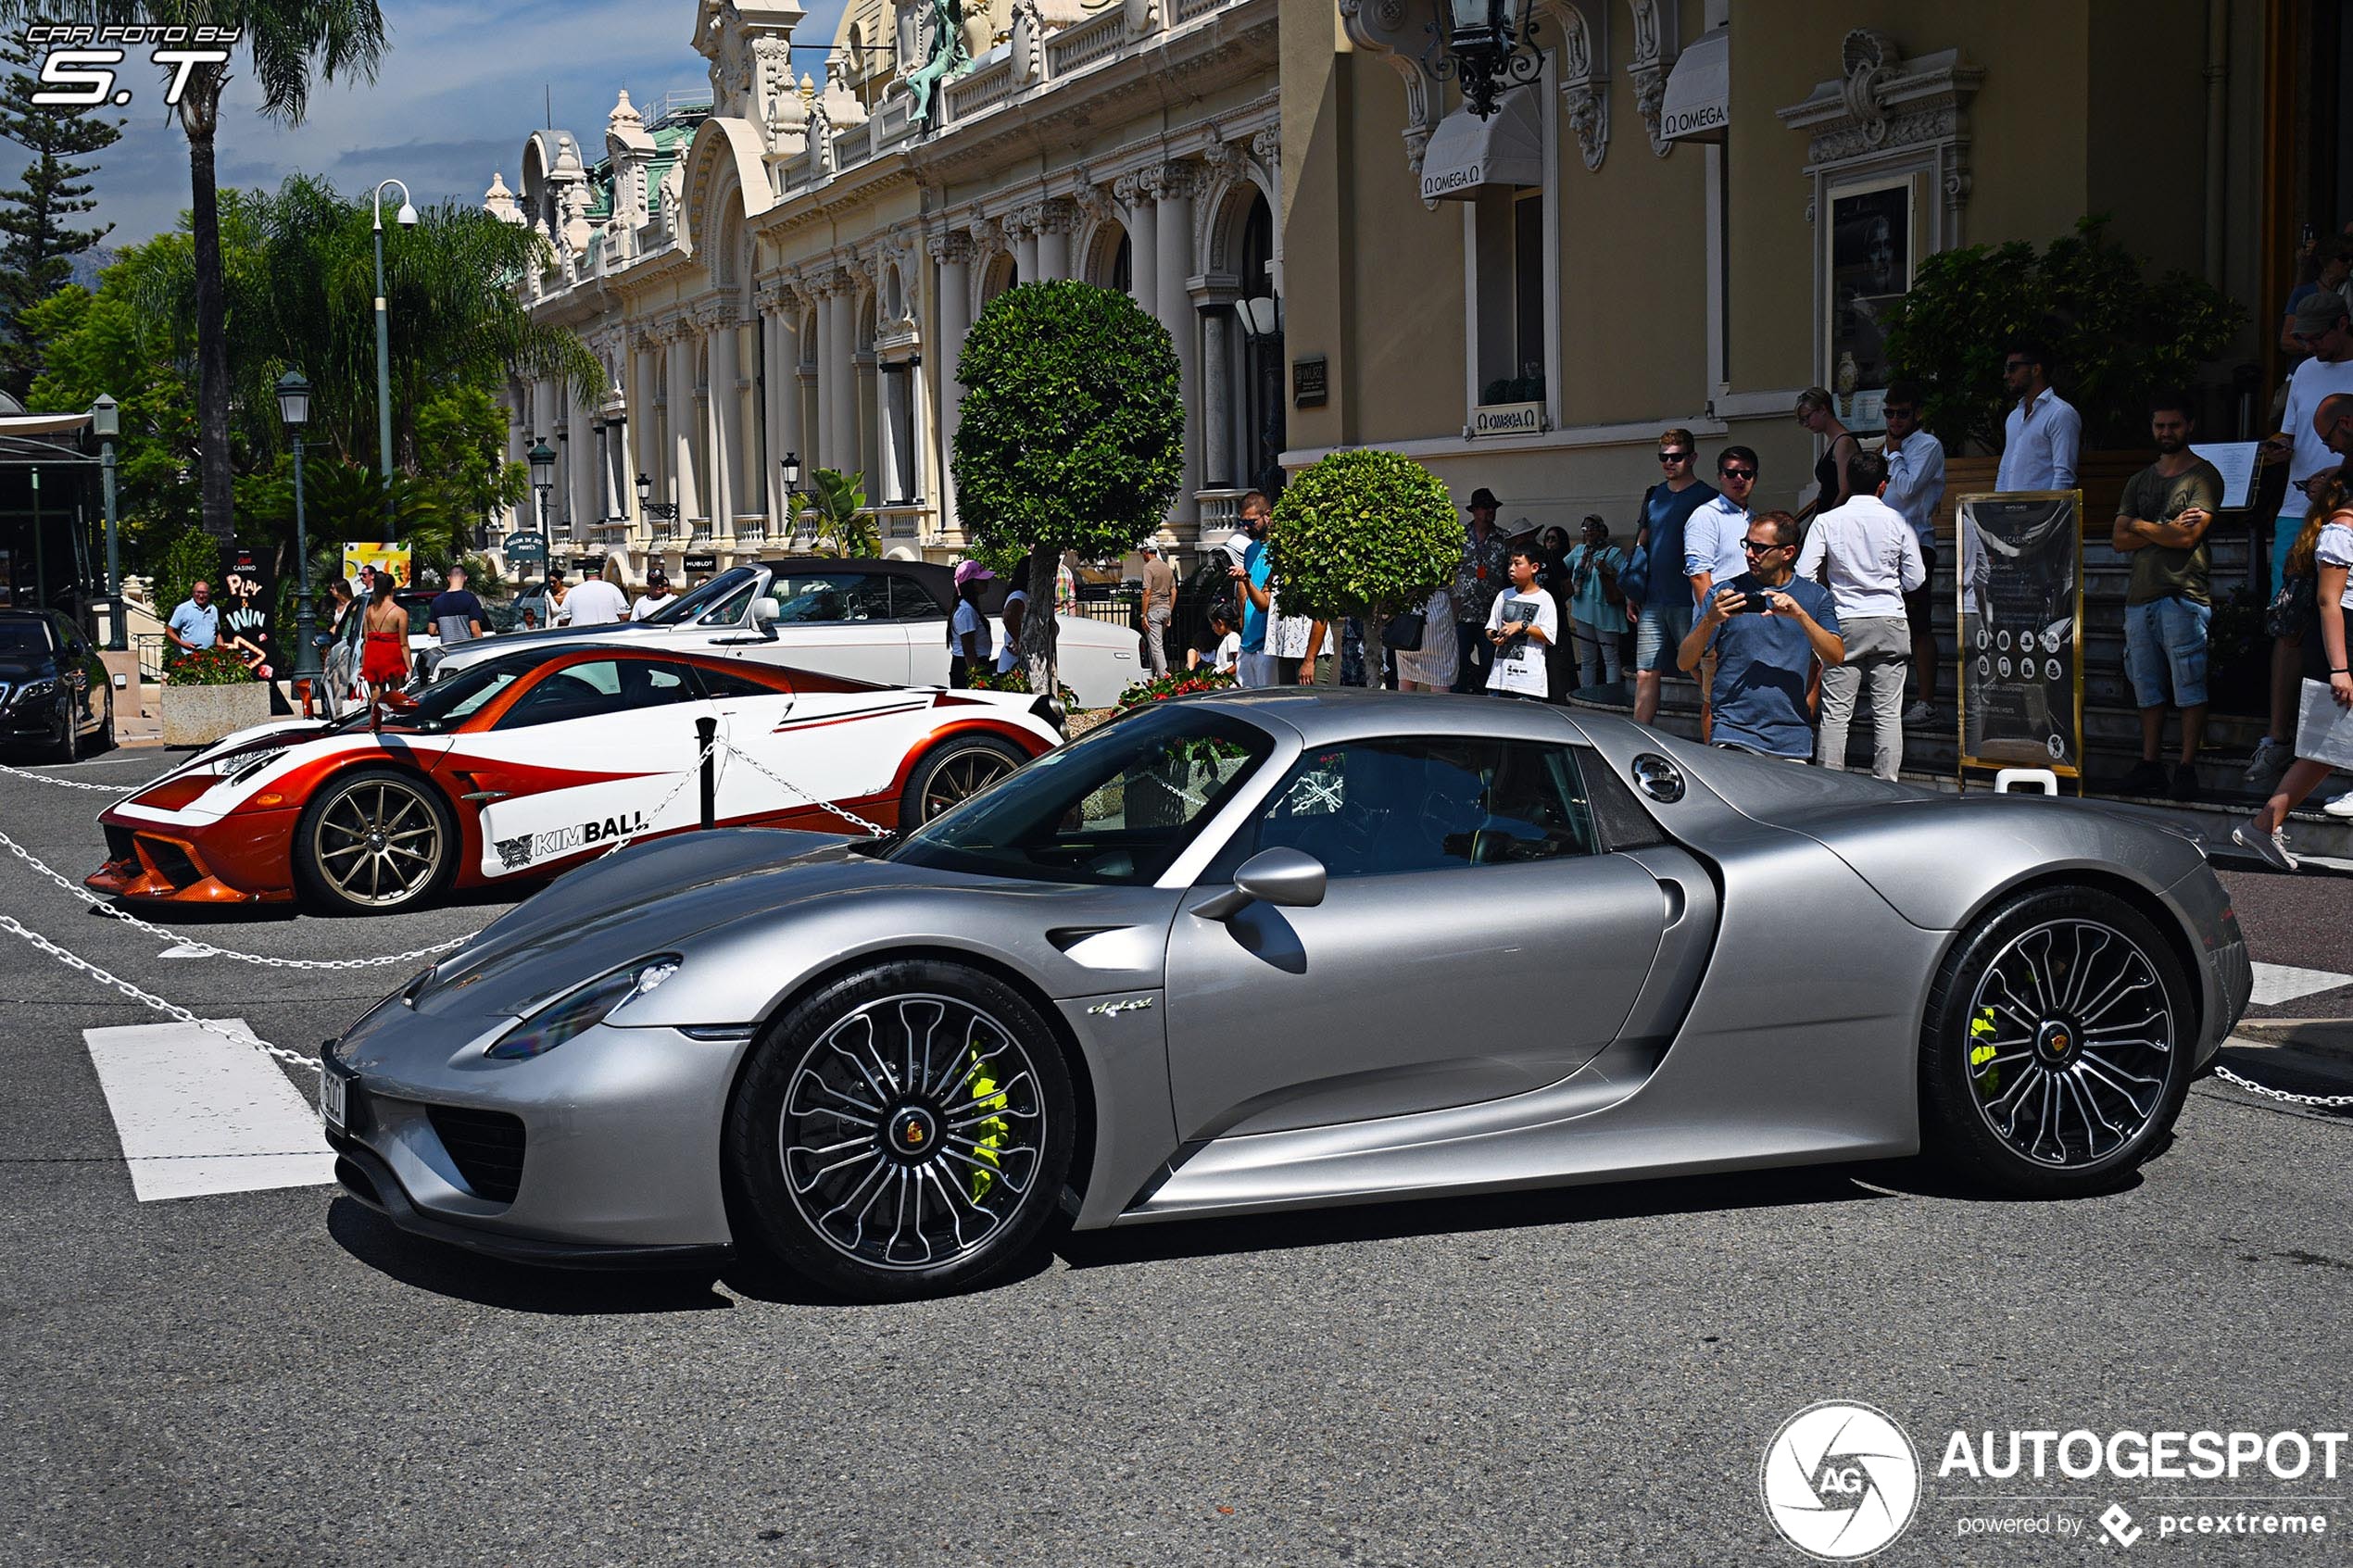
706,735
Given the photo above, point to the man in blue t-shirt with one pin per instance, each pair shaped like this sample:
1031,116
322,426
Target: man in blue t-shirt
1253,574
196,622
1770,629
1660,604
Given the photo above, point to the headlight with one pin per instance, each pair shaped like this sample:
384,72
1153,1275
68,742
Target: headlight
243,768
582,1008
33,691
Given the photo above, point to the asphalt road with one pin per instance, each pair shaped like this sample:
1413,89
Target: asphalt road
1584,1376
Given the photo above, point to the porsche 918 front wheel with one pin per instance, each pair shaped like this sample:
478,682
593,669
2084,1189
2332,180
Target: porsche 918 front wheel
903,1133
2058,1046
374,840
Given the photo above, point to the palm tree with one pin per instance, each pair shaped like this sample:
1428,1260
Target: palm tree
286,41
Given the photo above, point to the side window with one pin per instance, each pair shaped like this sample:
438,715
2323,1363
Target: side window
1380,807
595,690
728,611
829,598
725,683
910,600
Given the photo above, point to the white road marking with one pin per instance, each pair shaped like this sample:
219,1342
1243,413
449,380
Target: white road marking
2277,982
185,950
200,1114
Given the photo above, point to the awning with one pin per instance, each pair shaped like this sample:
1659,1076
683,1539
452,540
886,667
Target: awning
1699,92
1468,154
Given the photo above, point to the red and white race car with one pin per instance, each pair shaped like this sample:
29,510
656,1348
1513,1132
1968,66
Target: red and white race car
531,761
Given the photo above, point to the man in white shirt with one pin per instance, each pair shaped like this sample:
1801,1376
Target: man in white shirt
656,597
1016,604
594,603
1714,552
2320,324
1872,560
1915,488
2043,433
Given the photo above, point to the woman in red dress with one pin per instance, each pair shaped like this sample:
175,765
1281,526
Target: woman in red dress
384,660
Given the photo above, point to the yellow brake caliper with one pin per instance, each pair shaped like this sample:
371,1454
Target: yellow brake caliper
987,1097
1982,1052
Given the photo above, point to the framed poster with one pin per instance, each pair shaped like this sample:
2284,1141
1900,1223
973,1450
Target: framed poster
1869,268
247,597
2022,630
362,561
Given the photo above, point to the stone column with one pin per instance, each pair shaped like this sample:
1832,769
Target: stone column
581,464
727,422
682,421
839,385
1172,268
1055,221
646,443
1143,229
1021,229
953,313
781,389
1217,385
889,388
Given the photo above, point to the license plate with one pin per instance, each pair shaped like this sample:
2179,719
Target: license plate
332,1092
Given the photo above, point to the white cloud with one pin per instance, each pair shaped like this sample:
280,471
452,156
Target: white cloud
459,88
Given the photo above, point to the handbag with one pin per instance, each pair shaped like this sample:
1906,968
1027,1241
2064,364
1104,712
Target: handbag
1404,634
2293,609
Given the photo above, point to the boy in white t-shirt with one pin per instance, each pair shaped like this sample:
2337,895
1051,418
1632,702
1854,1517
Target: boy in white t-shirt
1522,623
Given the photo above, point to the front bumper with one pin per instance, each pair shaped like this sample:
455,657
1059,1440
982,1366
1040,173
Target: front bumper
614,1149
243,859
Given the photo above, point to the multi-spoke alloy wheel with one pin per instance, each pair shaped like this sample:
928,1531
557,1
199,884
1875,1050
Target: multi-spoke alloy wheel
954,774
2058,1043
903,1131
375,840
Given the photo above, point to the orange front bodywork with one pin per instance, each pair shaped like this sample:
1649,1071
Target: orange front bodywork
243,859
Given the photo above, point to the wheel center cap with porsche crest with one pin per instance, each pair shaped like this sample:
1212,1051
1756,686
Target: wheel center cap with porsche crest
2057,1043
913,1131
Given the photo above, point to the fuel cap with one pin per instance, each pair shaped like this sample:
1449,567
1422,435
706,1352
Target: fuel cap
1658,778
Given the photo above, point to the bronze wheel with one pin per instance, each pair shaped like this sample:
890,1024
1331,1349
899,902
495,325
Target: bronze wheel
374,840
954,772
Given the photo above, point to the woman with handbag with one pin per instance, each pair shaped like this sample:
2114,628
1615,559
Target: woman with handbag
2324,551
1427,663
1597,606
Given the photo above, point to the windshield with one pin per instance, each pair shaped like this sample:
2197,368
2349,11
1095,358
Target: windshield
1116,808
23,637
686,606
451,700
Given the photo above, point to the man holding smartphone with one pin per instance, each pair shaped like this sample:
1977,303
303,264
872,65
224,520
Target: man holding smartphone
1768,629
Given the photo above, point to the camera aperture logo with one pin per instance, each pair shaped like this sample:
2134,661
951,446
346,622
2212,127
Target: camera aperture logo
78,72
1840,1480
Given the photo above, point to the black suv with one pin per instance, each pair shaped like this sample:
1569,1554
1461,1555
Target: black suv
54,688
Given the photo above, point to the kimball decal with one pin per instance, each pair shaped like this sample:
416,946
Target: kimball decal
516,853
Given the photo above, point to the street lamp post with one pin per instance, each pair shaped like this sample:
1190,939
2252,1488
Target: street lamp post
294,406
653,511
791,463
543,479
105,422
1491,46
406,219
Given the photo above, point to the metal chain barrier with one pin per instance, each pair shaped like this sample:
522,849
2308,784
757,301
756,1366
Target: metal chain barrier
2323,1102
149,998
873,829
165,934
694,771
68,783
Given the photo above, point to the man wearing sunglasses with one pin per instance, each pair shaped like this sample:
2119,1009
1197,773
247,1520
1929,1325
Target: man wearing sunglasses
1712,550
1769,628
1658,602
2321,326
2044,435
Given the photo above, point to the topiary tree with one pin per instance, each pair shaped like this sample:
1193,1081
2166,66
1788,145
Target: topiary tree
1072,436
2114,335
1365,532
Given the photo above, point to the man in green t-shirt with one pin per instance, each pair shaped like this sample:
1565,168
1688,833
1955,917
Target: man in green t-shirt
2161,525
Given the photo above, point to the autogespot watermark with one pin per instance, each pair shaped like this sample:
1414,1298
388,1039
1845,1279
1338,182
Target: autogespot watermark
78,67
1841,1480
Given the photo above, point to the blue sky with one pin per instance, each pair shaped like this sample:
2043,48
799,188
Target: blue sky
459,88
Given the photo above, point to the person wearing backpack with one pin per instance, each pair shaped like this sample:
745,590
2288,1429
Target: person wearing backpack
1597,606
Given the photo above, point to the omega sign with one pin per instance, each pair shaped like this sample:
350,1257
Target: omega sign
1696,118
1462,177
1508,418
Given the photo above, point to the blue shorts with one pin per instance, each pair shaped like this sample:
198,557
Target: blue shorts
1659,633
2164,644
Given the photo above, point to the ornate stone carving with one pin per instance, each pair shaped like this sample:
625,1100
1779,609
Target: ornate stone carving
1055,214
1093,201
499,202
1385,27
1656,24
1129,190
674,192
1583,63
949,246
1267,147
988,235
1882,107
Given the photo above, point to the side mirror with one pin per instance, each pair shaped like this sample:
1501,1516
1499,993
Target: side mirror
764,615
1285,878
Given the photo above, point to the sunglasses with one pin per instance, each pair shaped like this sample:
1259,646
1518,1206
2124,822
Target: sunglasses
1753,549
1674,456
2010,365
1738,473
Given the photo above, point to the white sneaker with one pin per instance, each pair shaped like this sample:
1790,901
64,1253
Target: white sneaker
1919,713
2270,760
2341,808
2270,849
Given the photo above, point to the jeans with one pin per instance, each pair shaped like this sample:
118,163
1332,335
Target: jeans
1660,633
1599,654
2165,647
1156,640
1878,650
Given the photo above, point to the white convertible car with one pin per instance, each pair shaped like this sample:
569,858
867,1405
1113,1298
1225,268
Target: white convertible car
881,620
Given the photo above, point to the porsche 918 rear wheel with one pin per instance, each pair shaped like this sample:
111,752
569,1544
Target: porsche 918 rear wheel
954,773
903,1133
374,840
2058,1045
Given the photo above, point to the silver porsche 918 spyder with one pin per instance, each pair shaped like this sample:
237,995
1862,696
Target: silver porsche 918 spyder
1280,949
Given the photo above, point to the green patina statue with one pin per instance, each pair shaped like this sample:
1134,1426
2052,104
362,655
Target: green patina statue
948,55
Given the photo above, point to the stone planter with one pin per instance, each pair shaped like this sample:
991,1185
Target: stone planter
200,715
